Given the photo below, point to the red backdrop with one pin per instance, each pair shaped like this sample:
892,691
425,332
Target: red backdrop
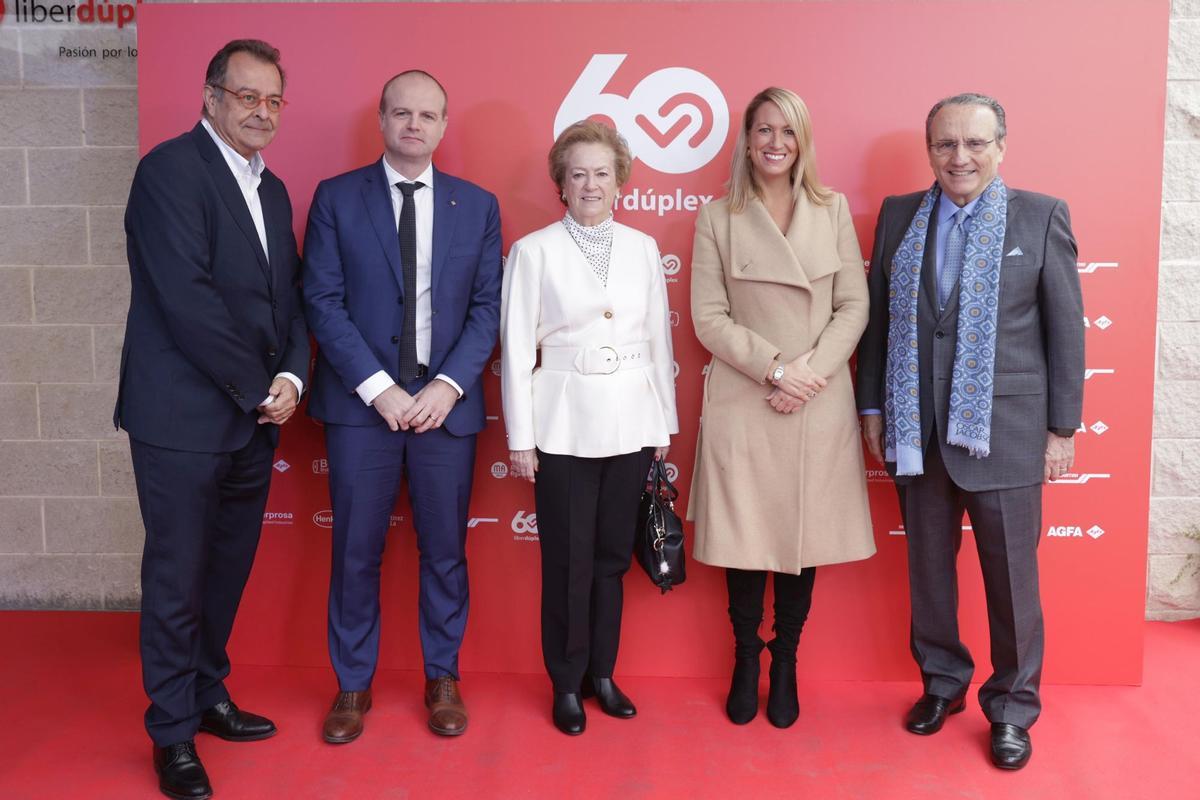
1083,83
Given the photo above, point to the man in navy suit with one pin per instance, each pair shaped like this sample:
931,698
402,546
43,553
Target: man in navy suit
214,342
402,291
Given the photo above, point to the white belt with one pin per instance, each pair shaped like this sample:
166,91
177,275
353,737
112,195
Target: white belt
597,360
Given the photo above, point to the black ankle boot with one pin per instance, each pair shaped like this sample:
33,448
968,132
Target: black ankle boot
742,703
783,706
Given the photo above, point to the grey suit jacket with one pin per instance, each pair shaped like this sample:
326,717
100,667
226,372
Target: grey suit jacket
1039,342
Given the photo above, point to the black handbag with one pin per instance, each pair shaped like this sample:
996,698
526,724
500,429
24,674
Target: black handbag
659,544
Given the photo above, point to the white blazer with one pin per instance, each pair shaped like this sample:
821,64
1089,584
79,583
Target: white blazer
552,299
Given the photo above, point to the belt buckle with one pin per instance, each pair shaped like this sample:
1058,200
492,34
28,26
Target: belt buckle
615,356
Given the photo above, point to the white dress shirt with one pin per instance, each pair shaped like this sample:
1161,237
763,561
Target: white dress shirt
248,174
373,386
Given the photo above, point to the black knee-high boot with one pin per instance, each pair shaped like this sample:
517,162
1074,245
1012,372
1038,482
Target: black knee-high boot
793,598
746,589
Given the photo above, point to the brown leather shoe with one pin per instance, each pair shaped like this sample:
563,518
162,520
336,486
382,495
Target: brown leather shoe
344,722
447,713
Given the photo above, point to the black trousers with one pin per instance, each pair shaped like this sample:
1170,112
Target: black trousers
1006,524
203,517
586,513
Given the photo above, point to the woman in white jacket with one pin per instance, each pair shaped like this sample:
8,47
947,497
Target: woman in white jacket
589,400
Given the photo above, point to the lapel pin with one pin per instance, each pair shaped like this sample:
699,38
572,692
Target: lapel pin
453,202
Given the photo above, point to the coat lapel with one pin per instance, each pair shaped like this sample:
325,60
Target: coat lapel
445,214
760,252
230,193
377,199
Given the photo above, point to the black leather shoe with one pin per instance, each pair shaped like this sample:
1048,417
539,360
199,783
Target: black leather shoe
929,713
228,722
610,697
1011,747
742,704
783,706
180,773
568,713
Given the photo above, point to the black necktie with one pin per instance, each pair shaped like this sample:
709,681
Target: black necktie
408,263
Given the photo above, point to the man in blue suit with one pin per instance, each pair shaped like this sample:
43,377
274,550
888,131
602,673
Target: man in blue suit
402,291
214,343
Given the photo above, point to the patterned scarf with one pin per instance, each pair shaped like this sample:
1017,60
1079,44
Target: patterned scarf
595,242
970,419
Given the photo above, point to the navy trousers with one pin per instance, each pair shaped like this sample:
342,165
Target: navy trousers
366,465
203,517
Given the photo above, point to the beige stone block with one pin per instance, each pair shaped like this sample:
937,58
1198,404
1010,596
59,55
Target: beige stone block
77,410
42,236
41,117
110,116
1174,525
1183,50
1174,587
54,353
49,469
45,67
1181,179
51,582
21,525
10,58
1176,468
116,470
1181,232
121,580
1183,110
1179,352
12,176
93,525
16,296
109,339
106,226
1179,292
81,294
81,176
1176,409
18,411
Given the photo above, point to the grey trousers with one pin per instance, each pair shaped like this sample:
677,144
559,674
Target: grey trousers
1006,525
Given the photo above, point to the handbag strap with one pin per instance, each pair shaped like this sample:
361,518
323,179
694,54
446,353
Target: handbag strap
662,484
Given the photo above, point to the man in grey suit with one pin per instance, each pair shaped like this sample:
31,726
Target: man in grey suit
970,386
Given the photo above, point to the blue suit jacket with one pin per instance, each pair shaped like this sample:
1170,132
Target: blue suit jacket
211,321
354,292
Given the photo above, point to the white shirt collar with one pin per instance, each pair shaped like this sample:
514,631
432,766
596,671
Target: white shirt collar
236,161
394,177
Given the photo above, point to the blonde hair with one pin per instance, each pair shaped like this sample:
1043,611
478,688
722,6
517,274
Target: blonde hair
742,182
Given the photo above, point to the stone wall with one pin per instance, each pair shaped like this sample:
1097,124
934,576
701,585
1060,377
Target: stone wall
70,533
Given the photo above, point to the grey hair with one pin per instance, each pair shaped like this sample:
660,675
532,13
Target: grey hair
969,99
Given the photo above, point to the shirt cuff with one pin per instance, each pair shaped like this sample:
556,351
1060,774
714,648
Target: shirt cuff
299,384
374,386
441,376
868,412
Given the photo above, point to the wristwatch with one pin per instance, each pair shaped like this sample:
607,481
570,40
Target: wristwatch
776,374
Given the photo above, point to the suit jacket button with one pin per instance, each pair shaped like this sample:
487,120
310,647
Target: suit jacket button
270,354
395,340
608,315
940,334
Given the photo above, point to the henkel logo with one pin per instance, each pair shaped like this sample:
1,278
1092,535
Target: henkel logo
670,264
323,519
499,470
281,466
675,119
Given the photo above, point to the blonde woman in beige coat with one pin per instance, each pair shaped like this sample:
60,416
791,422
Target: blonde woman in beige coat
779,297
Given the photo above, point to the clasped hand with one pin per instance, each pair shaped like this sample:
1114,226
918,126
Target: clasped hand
424,411
800,384
282,404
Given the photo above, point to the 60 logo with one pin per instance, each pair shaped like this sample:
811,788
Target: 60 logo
675,119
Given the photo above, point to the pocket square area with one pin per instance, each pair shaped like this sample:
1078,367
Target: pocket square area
1016,251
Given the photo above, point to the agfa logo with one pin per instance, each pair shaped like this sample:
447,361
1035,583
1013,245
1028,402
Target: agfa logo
675,119
281,466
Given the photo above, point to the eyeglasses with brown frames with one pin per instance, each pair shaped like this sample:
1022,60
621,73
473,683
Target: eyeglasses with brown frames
252,100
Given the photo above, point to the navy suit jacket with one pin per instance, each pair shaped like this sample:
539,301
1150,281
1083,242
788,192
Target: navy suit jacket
354,292
211,319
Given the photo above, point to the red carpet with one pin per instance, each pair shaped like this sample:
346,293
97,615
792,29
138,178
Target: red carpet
72,708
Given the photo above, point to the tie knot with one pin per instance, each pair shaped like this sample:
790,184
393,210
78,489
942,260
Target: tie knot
407,188
960,216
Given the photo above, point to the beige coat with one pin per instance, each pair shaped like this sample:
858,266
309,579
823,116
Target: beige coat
773,491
